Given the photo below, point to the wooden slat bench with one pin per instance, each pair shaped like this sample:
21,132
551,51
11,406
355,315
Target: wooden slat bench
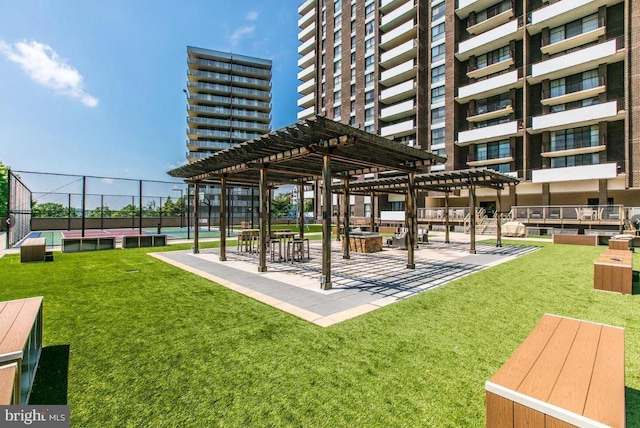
613,271
566,373
21,341
561,238
9,391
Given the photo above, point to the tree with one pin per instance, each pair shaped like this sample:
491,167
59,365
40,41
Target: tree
127,211
281,205
51,210
99,212
4,190
171,208
308,205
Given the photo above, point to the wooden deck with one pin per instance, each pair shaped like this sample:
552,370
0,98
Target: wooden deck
566,373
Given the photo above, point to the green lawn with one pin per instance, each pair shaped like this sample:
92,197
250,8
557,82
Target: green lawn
151,345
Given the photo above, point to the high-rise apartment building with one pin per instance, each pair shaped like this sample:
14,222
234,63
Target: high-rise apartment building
544,90
228,102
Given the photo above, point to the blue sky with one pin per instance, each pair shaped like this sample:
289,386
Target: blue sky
95,87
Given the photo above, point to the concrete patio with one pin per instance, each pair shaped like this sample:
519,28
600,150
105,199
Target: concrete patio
361,284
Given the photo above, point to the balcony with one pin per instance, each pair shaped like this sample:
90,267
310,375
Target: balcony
584,116
572,96
398,15
306,113
398,92
399,55
304,7
307,46
388,5
572,42
399,73
307,60
489,87
307,73
399,129
465,7
490,23
496,67
573,152
307,18
307,100
562,12
490,133
307,33
491,40
572,173
490,113
398,35
473,160
399,110
307,87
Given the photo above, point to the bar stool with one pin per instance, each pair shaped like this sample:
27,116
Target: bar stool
273,243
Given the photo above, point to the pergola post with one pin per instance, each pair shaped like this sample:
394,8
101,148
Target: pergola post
301,209
410,220
347,220
264,209
372,215
223,219
446,218
326,223
337,214
196,213
472,214
270,197
498,219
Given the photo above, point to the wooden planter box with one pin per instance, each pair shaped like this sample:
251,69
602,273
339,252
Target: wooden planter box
33,250
21,343
566,373
575,239
74,245
613,271
364,244
136,241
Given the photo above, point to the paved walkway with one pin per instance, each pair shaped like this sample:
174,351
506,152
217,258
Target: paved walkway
362,284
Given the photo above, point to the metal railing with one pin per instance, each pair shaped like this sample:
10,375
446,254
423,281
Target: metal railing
573,214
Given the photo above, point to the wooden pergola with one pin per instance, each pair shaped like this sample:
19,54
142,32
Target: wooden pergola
446,182
311,149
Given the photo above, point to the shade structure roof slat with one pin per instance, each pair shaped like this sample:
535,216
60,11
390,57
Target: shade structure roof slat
291,151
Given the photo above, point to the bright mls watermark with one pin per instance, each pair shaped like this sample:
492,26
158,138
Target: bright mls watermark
34,416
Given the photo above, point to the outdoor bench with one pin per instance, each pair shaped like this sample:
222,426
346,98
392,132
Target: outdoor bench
21,344
73,245
566,373
137,241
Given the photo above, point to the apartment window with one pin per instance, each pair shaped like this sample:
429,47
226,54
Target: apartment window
575,160
322,58
494,10
369,61
337,112
369,45
493,57
337,96
574,28
368,97
439,152
369,28
437,53
353,75
575,104
353,10
575,138
353,42
337,5
437,32
324,87
353,27
497,150
369,10
337,20
370,128
352,121
368,114
437,95
437,74
499,102
437,11
324,16
337,36
353,89
437,115
337,80
353,58
324,45
574,83
337,67
396,206
337,51
437,137
352,107
369,80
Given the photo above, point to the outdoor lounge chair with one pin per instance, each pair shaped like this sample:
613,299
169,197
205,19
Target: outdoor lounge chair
399,241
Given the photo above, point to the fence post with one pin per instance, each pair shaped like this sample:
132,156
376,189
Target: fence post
84,199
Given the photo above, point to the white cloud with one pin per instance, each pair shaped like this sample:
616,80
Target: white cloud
46,68
252,15
240,33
